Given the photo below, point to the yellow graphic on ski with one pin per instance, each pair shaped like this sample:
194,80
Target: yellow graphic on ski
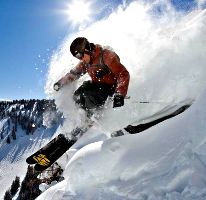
41,159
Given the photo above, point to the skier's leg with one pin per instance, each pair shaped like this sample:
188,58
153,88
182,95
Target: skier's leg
91,95
79,95
97,94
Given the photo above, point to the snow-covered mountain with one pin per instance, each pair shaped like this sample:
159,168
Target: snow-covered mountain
165,55
24,126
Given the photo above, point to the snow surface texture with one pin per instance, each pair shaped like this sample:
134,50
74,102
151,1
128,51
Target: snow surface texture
165,56
165,162
13,156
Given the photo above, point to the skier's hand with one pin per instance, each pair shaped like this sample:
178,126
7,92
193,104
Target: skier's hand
57,86
118,100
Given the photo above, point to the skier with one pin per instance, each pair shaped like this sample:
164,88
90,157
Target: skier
108,76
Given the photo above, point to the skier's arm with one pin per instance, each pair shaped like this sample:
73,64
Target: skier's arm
73,75
120,72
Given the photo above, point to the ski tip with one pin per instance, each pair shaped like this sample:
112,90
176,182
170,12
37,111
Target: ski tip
30,161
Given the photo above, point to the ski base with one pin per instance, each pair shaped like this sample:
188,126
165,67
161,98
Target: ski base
51,152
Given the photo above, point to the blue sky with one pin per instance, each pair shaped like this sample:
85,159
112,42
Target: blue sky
30,31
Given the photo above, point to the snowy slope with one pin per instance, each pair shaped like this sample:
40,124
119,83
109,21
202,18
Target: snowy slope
13,155
167,161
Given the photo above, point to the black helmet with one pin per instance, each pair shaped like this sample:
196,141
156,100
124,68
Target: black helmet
79,46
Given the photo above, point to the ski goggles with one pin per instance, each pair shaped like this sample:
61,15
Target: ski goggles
80,55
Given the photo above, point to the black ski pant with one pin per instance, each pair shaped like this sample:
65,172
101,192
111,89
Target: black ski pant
92,95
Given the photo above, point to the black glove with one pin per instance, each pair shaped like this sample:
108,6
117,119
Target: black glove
57,86
118,100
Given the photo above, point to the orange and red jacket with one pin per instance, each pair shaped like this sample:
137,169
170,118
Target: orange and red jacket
116,74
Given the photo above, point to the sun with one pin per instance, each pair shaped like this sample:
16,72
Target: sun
79,11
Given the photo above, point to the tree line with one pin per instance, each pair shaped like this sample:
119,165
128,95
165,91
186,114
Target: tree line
27,114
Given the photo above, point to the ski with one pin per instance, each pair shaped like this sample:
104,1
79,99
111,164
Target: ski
48,154
52,151
133,129
47,148
53,156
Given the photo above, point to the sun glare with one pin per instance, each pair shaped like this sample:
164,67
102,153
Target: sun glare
79,12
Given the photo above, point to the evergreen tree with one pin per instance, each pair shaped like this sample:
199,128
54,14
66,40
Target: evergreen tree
8,140
15,186
15,123
9,123
30,185
13,133
7,195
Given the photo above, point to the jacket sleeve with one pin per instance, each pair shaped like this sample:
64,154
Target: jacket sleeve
73,75
121,74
